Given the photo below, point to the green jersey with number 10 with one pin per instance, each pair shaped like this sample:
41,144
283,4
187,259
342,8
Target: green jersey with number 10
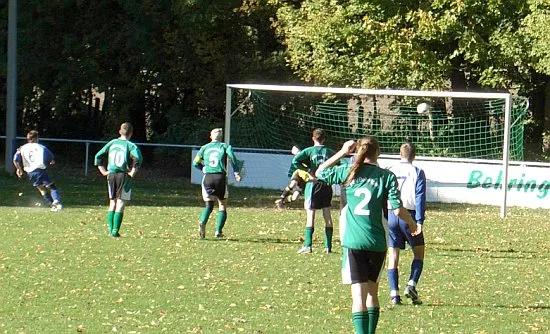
122,156
374,188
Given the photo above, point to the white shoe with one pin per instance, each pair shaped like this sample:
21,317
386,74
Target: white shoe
56,206
304,250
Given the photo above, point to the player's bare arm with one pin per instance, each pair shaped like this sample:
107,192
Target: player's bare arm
402,213
103,170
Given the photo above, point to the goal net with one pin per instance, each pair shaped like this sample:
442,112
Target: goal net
454,125
463,126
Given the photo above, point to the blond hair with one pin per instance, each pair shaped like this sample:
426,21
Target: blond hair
216,134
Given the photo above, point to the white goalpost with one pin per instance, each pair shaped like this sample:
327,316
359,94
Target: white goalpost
395,114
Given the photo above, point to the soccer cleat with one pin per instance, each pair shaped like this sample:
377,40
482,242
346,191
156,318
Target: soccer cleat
327,251
396,300
116,235
58,206
219,234
279,203
410,292
304,250
202,231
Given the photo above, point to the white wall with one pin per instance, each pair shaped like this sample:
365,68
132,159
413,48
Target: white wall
447,181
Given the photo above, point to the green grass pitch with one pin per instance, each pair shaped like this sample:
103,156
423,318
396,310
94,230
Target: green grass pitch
61,273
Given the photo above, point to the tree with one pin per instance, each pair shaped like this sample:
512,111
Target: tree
438,44
158,63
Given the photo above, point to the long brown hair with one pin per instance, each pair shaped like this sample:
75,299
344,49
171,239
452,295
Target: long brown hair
367,148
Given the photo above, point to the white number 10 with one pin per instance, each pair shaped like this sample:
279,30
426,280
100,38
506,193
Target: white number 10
117,157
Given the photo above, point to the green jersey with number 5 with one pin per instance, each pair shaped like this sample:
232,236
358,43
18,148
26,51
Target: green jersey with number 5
213,156
122,156
363,225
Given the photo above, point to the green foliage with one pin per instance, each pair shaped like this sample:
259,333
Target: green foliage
60,272
536,31
428,45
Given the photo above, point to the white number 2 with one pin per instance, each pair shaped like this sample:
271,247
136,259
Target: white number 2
361,208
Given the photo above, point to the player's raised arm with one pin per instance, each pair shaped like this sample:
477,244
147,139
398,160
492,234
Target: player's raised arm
346,150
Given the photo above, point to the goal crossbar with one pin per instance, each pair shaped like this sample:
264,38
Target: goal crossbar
414,93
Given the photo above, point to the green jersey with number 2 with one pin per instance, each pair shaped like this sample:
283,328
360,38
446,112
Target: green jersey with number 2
374,188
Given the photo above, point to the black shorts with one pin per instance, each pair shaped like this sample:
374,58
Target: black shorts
214,185
120,186
319,196
361,266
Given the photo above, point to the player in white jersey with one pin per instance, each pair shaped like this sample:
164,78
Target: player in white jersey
412,185
34,159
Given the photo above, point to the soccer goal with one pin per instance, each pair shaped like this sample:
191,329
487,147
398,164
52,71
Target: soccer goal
457,126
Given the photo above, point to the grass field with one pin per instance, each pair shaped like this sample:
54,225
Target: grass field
61,273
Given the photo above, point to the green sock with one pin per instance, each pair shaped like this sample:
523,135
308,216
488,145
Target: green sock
110,215
117,221
205,214
308,236
373,314
360,322
328,237
220,221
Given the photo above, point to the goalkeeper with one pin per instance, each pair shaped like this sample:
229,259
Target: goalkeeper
296,186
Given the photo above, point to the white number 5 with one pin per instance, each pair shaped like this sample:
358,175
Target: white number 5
361,208
213,160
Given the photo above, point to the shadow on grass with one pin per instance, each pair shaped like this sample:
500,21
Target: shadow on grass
254,240
79,191
486,306
490,253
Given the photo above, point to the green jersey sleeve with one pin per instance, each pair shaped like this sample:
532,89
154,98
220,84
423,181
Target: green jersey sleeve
236,163
98,160
334,175
198,162
135,155
392,186
300,161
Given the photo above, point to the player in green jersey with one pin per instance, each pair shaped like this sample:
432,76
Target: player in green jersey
369,189
317,194
212,161
123,160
